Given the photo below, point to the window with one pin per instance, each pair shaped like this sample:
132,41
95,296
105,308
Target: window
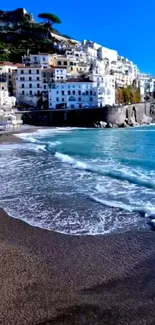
44,86
63,100
2,88
59,62
63,92
22,85
62,78
65,62
69,92
30,78
72,106
91,92
38,85
91,99
37,78
30,85
79,99
43,59
86,92
29,71
35,59
79,92
38,92
73,86
71,63
37,71
73,92
71,68
57,99
22,78
9,70
57,91
23,92
22,71
80,106
30,92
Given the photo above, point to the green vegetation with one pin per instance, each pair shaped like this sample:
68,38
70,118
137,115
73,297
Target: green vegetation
21,34
130,94
49,19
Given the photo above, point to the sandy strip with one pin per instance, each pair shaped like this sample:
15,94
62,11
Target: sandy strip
9,137
49,278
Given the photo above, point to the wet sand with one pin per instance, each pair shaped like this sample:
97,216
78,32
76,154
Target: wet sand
50,278
8,136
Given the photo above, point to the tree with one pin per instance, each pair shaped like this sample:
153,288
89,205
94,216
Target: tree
49,19
126,95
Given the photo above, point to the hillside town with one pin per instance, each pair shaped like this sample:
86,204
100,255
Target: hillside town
84,75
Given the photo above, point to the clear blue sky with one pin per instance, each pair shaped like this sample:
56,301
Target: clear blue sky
127,26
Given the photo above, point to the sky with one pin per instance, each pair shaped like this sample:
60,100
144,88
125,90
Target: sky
126,26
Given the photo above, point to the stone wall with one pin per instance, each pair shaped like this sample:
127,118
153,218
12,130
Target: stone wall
135,113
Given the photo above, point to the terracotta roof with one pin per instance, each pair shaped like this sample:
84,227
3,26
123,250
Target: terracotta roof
9,63
20,65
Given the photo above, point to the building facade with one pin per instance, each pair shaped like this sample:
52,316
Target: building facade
76,94
29,81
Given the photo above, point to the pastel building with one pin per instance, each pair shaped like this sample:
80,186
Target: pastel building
76,94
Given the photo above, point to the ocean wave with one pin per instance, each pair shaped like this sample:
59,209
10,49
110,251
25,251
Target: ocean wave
107,173
146,211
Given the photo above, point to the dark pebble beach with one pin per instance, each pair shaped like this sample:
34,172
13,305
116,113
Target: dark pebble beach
50,278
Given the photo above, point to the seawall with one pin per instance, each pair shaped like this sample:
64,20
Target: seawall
133,113
130,114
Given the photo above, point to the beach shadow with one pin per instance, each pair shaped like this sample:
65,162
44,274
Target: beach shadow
85,314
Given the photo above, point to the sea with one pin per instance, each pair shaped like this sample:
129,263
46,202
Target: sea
81,181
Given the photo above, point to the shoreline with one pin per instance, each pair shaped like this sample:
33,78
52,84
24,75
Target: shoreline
50,278
9,136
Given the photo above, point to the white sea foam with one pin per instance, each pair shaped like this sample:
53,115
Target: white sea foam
114,174
146,210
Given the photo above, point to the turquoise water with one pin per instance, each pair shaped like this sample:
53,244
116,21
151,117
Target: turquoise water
81,181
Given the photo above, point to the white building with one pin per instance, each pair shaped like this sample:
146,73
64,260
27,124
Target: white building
75,94
41,59
7,70
6,101
145,83
105,53
29,81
